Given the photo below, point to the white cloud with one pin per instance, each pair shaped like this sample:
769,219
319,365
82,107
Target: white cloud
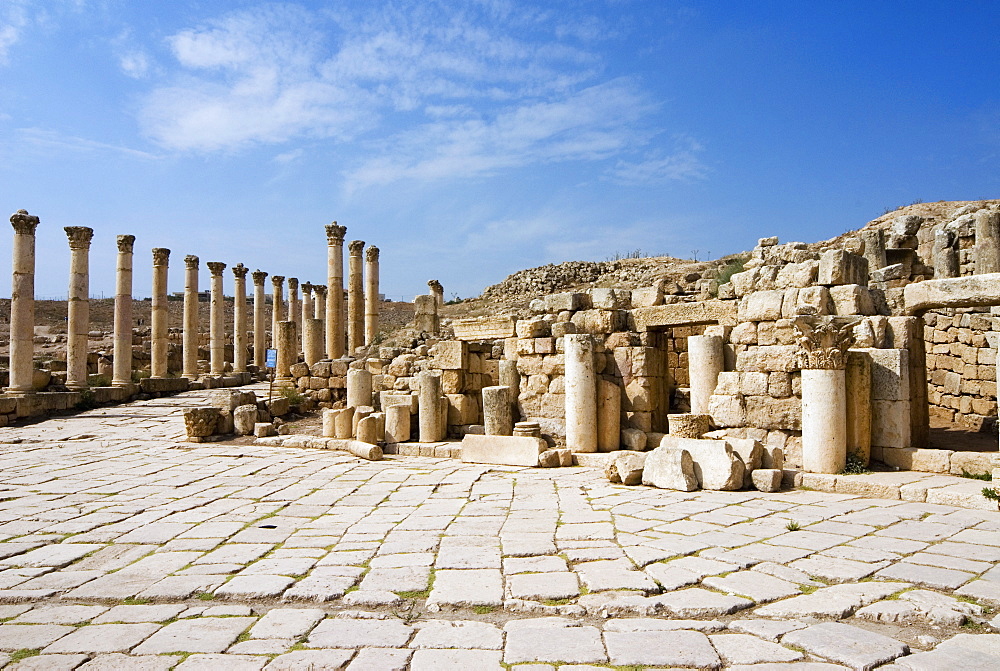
682,164
40,137
135,64
14,18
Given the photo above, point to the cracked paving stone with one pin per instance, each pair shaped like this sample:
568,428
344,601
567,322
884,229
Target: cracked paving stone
843,643
457,634
358,633
381,659
544,586
746,649
117,661
215,662
697,602
254,587
20,636
311,660
928,576
754,585
286,623
103,638
467,587
203,634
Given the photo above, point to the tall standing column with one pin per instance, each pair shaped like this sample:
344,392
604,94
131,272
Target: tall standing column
22,303
581,393
240,318
159,318
371,294
78,306
287,345
191,335
259,318
307,310
294,309
122,364
216,320
319,302
335,290
706,359
277,306
437,291
355,297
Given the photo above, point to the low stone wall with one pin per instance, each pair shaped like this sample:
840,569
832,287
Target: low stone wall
961,367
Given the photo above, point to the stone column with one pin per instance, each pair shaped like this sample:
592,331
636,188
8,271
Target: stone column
706,359
987,241
510,378
312,340
287,346
824,342
259,318
216,320
581,393
191,335
437,291
319,302
359,388
397,424
294,308
122,364
159,317
431,422
307,310
609,416
240,318
371,294
497,416
426,314
944,255
22,304
335,333
355,297
858,415
78,306
874,239
277,306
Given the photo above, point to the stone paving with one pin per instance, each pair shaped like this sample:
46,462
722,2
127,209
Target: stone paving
122,547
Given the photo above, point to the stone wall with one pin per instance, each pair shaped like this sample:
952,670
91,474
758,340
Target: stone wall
961,367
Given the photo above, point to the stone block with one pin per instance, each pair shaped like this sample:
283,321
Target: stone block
727,411
452,381
599,322
201,422
917,459
768,413
451,355
797,275
462,409
610,299
716,465
244,419
852,299
566,301
890,374
629,467
839,267
688,425
766,479
668,468
504,450
483,328
264,430
633,439
645,297
760,306
891,423
813,300
531,328
768,358
753,383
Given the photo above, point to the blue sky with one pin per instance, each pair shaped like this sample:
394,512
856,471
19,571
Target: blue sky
472,139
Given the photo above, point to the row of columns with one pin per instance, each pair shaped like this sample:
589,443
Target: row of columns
306,316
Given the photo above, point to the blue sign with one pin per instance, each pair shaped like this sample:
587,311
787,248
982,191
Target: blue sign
271,358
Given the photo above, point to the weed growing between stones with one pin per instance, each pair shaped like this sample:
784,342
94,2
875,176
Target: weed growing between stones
855,465
792,525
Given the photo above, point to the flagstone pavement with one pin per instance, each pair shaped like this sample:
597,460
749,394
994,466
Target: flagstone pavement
123,547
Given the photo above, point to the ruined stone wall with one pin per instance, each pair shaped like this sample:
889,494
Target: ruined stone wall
961,367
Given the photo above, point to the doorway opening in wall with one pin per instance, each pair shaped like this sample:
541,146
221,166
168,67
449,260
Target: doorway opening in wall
672,342
961,345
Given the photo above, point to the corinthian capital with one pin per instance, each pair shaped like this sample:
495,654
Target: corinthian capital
191,262
23,222
79,236
240,271
125,243
161,256
258,277
371,254
335,234
824,341
355,247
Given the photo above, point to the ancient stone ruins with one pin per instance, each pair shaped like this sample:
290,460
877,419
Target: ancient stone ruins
748,464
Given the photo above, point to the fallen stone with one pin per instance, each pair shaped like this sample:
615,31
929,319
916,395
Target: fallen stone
504,450
670,469
716,465
766,479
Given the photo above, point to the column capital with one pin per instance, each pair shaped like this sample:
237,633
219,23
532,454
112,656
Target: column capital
307,288
240,271
371,254
216,268
79,236
355,247
335,234
125,243
277,281
823,341
191,262
258,277
23,222
293,283
435,285
319,289
161,256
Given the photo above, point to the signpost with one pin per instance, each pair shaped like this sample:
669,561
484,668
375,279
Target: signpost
271,361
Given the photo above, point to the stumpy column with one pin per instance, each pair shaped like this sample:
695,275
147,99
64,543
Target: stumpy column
287,345
259,318
355,297
122,364
277,306
581,393
706,359
78,306
437,291
190,336
371,294
335,290
216,320
158,320
22,303
240,318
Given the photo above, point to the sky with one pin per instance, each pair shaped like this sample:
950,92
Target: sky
471,139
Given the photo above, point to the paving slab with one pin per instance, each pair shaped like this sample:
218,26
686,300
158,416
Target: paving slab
204,634
662,648
843,643
359,633
103,638
553,640
311,660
